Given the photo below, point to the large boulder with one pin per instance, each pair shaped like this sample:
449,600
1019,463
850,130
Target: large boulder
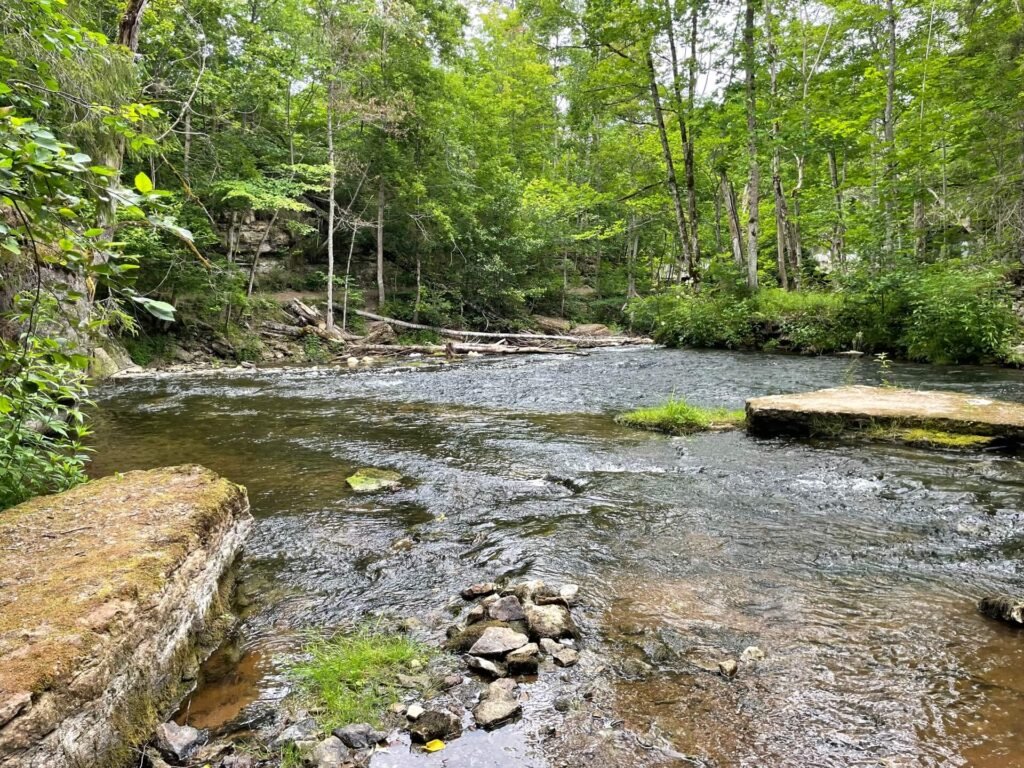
113,593
552,621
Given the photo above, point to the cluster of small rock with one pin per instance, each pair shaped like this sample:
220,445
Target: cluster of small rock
506,633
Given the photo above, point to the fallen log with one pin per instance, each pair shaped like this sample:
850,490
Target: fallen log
580,341
457,348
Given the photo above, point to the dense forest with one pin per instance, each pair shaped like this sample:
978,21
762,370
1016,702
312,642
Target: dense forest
806,176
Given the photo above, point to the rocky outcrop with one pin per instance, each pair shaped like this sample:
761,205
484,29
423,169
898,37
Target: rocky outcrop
111,595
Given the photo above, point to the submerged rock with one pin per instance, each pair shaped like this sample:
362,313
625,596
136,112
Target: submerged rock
176,742
498,704
751,654
497,641
436,724
1003,608
359,735
369,479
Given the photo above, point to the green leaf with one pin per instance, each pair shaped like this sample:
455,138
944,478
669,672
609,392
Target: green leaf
143,183
158,309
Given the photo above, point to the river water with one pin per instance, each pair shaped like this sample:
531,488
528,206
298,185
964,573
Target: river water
854,567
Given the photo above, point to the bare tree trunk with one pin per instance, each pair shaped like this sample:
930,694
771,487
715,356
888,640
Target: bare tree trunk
754,183
259,250
690,165
684,137
889,188
331,204
781,212
187,144
348,272
838,245
670,170
733,217
380,242
795,245
131,24
632,246
419,290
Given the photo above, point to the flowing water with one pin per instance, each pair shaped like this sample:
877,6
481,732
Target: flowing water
854,567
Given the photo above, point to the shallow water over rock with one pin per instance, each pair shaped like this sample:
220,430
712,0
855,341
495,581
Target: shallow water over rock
854,567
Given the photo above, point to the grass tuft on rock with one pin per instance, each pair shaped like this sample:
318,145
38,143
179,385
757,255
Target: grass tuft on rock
678,417
353,678
928,438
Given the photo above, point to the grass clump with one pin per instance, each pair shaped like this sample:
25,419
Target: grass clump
352,678
678,417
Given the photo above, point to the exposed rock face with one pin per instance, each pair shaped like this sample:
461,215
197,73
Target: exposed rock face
114,592
1003,608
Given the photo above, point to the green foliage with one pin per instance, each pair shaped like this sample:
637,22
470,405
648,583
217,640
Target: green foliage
352,678
314,349
678,417
951,312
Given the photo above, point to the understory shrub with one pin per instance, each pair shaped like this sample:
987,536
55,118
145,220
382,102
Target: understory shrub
941,313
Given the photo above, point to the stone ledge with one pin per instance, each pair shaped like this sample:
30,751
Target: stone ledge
110,594
858,407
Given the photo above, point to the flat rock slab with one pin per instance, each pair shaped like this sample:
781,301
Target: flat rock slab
104,593
857,407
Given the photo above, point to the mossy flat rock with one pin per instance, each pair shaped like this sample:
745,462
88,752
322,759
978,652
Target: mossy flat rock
369,479
114,593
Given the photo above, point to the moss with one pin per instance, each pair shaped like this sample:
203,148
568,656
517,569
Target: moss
677,417
370,479
926,437
352,678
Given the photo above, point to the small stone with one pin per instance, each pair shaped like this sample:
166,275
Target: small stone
418,682
487,667
551,621
177,742
1003,608
728,667
235,761
304,731
635,669
415,665
398,708
479,590
476,613
497,641
566,657
525,590
523,661
359,735
489,600
751,653
353,362
329,753
563,703
549,646
498,704
451,681
414,711
507,609
569,592
436,724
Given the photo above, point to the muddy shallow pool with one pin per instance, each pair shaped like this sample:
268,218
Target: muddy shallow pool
854,567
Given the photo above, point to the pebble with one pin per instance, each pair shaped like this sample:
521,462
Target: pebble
414,711
728,667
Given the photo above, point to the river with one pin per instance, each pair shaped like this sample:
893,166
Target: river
854,567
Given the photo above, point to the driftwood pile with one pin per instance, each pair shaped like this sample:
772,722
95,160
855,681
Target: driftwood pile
381,338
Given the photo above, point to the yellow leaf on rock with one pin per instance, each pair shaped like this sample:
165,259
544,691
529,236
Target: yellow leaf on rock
434,746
